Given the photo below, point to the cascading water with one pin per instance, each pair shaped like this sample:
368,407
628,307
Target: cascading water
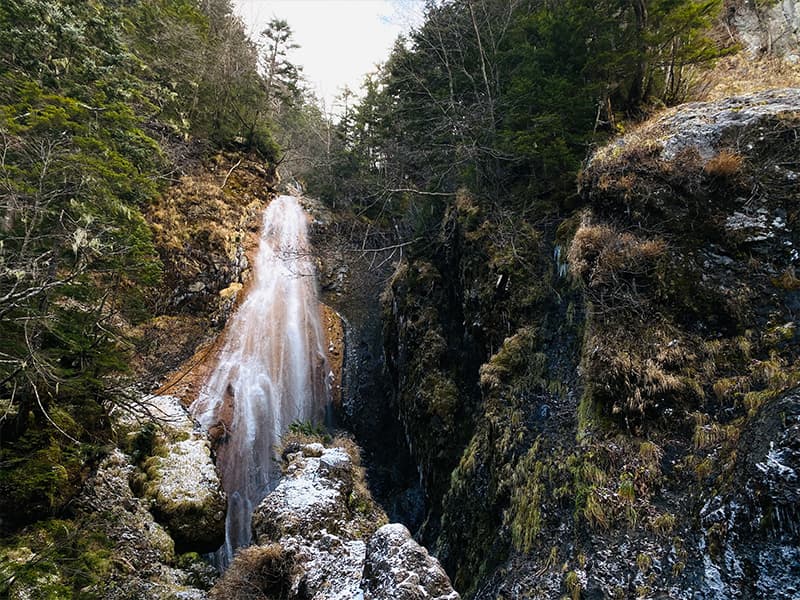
271,370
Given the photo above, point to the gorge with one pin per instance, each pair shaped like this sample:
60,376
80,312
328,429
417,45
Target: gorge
531,332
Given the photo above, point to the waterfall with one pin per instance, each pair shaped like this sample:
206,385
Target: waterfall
270,372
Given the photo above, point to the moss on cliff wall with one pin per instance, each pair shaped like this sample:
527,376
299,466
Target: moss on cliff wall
607,417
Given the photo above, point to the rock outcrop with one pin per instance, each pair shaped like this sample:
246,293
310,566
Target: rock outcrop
768,28
398,567
310,515
180,478
137,525
144,559
623,437
201,226
752,530
316,533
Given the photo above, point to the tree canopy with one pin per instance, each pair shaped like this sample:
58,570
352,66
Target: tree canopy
92,94
507,97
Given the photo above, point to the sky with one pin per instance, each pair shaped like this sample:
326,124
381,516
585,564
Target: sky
340,40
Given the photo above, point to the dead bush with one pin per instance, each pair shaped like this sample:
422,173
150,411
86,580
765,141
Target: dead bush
726,164
603,256
257,573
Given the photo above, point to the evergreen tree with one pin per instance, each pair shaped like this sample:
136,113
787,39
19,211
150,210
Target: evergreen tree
281,76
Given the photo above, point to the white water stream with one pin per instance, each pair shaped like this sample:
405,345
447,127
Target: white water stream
271,370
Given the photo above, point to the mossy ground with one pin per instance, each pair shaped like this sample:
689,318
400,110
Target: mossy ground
54,559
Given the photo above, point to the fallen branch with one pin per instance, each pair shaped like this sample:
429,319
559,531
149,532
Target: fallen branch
225,181
421,193
393,247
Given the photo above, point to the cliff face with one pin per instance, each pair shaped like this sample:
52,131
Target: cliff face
771,28
205,230
621,437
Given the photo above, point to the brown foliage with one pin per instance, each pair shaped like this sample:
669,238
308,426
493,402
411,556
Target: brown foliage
601,256
256,573
725,164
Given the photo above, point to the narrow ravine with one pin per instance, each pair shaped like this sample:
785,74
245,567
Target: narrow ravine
270,372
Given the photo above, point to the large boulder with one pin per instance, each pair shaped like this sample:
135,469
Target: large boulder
399,568
312,516
180,478
144,561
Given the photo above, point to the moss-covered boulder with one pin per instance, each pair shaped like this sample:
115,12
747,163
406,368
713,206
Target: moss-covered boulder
187,494
179,476
140,558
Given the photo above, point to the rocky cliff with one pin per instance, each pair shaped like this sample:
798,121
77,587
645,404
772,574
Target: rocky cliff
594,402
134,529
205,228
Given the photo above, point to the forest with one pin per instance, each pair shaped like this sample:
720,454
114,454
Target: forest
476,149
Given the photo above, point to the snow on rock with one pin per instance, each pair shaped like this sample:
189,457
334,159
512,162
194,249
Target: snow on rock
331,537
312,496
752,545
143,550
308,513
700,126
125,519
165,411
399,568
187,493
181,479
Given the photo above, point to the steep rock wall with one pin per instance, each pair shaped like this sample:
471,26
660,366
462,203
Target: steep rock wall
205,228
632,353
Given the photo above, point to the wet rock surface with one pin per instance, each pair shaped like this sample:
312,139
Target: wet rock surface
398,567
354,262
144,553
752,532
625,440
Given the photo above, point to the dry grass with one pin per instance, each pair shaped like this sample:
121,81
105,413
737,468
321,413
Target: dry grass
257,573
710,434
651,453
601,255
595,510
726,163
739,74
663,524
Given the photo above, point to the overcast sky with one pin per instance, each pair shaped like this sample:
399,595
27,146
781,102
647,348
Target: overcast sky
340,40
